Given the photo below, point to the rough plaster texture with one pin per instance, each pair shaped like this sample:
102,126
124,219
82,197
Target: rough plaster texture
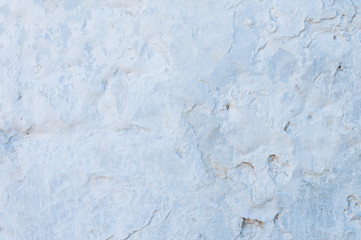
180,119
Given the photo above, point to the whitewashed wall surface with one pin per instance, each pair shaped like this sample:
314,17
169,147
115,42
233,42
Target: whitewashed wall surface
180,119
